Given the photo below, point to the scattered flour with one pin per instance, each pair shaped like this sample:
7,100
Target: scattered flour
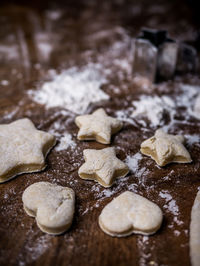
65,138
133,162
125,115
187,96
153,107
187,99
74,89
4,82
35,249
65,142
192,139
143,249
171,207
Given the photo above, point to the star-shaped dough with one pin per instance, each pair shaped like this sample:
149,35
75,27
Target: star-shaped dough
98,126
102,166
165,148
23,148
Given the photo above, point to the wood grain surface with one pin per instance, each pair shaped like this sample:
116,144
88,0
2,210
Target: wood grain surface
38,38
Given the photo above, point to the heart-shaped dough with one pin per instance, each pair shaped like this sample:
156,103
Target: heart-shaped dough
52,205
130,213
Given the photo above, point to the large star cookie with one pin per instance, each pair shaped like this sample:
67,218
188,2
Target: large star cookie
102,166
165,148
98,126
23,148
51,205
130,213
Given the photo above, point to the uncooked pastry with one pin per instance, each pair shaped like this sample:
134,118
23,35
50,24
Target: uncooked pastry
165,148
51,205
197,107
195,232
130,213
102,166
97,126
23,148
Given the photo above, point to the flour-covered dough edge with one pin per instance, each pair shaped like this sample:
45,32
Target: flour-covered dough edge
56,230
27,169
131,229
195,232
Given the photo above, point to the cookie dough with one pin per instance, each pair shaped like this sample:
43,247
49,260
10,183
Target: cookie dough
51,205
97,126
102,166
165,148
195,232
197,107
23,148
130,213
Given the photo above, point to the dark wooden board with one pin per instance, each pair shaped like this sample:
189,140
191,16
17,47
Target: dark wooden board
82,32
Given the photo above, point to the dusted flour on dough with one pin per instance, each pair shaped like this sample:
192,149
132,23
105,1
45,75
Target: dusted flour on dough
51,205
166,148
102,166
98,126
23,148
130,213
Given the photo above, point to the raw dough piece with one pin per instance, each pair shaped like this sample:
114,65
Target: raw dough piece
197,107
195,232
23,148
51,205
98,126
130,213
165,148
102,166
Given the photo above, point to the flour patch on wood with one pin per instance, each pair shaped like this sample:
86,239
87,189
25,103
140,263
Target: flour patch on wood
65,142
65,139
171,207
153,107
74,89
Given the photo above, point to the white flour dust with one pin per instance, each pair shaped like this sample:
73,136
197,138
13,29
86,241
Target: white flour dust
153,107
192,139
65,142
74,89
172,207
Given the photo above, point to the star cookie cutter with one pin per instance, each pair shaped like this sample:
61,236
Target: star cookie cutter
158,57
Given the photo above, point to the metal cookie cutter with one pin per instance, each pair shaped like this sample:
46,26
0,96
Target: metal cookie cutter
157,57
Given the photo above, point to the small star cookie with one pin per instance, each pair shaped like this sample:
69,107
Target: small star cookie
23,148
165,148
51,205
98,126
102,166
130,213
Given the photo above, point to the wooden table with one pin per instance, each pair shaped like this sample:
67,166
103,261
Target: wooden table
40,36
